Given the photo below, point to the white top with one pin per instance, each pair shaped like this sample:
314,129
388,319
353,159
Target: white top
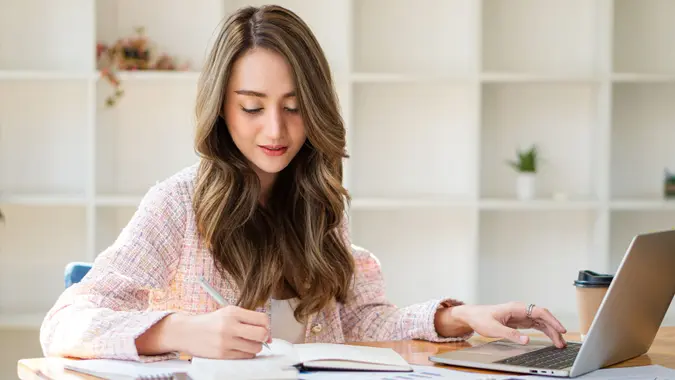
284,324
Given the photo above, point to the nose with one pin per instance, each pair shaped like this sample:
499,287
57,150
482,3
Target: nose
275,125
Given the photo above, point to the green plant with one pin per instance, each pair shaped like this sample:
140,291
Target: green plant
526,161
669,184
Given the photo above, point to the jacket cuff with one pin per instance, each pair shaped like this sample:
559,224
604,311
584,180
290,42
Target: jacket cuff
430,334
126,344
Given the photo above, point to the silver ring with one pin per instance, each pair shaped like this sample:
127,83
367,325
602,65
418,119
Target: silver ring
530,307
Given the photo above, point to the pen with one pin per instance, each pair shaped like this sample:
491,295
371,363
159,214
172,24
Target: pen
216,296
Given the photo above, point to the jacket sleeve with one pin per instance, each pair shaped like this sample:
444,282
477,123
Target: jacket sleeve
101,316
369,316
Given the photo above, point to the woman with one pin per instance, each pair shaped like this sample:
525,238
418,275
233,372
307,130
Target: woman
261,219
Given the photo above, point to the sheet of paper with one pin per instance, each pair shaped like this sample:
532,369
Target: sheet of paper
275,363
122,368
242,373
317,351
419,373
650,372
653,372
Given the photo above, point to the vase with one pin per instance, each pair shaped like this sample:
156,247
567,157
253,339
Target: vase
525,186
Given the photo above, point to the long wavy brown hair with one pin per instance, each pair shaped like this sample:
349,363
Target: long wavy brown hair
294,243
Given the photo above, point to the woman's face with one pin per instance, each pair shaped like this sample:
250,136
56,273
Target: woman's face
261,112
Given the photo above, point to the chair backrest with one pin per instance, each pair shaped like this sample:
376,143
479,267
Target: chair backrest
75,271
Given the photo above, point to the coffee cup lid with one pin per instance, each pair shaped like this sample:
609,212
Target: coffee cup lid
590,279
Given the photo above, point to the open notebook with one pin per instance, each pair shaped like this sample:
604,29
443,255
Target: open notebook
284,361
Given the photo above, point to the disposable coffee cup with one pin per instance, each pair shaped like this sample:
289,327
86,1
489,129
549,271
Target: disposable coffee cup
591,289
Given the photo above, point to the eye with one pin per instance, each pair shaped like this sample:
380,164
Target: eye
251,110
291,110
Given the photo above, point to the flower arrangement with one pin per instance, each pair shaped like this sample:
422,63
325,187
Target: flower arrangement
131,54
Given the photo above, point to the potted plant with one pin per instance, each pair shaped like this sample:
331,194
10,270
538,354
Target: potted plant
525,165
669,184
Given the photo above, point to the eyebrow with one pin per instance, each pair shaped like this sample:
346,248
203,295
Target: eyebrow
260,94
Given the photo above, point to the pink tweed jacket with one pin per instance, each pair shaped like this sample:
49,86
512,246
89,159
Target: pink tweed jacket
153,268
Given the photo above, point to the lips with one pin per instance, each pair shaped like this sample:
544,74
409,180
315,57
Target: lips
273,150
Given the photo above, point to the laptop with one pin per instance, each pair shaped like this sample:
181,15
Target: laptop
624,326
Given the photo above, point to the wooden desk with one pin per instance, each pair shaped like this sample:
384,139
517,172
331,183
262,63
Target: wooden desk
662,352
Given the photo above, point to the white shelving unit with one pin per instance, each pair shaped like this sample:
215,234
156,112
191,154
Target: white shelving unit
435,102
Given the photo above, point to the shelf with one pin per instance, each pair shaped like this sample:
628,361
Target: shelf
366,77
642,136
22,321
32,75
559,119
538,204
43,199
119,200
643,204
551,37
491,77
642,78
156,75
408,203
387,35
395,152
43,137
47,35
515,77
420,203
438,243
643,36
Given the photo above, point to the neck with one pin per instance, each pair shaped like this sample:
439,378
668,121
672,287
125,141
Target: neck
266,182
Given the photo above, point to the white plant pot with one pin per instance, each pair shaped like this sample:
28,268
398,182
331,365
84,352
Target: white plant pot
526,186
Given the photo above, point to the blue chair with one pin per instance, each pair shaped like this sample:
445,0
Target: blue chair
75,272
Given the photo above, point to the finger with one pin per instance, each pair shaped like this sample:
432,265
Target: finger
251,332
252,318
554,335
498,330
547,316
247,346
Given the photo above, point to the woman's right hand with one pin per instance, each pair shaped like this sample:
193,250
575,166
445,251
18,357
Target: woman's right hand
227,333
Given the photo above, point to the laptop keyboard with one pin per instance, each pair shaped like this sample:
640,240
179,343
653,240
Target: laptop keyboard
548,358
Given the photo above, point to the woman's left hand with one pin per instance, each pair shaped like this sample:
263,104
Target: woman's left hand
501,321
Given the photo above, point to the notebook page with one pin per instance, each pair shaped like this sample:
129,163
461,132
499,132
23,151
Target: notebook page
419,373
308,352
109,368
275,363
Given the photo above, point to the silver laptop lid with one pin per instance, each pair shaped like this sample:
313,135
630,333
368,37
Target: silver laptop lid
635,305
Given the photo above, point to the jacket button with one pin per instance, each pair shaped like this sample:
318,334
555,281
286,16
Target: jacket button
316,328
